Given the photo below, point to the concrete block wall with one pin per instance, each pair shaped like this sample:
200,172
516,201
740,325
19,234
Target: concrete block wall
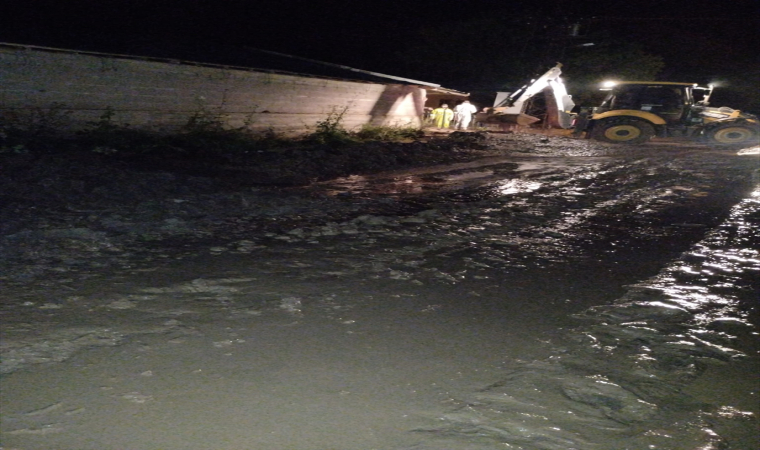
164,95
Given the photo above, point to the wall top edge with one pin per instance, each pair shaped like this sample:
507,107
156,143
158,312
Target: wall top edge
36,48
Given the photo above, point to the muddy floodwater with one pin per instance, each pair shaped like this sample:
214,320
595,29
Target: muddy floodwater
536,301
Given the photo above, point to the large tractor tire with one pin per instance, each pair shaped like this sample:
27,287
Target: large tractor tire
733,134
622,130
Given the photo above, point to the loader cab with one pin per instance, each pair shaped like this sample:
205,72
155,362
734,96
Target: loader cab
670,101
634,112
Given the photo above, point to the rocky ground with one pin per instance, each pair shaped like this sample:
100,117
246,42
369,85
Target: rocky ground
66,211
81,213
78,211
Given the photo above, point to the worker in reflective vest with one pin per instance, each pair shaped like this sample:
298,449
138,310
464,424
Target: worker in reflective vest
442,116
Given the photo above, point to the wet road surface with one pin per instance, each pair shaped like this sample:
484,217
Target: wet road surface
588,302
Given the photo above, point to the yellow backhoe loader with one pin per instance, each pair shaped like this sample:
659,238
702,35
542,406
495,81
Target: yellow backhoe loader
635,111
632,113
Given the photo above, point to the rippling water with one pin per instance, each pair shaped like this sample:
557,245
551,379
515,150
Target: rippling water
332,331
623,379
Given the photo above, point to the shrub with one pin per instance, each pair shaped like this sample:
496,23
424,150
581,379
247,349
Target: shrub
330,131
33,129
204,134
388,133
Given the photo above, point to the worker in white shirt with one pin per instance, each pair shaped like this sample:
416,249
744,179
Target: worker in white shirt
463,114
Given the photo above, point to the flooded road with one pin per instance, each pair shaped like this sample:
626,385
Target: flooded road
526,302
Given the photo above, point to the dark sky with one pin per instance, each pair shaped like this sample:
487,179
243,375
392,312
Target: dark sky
365,34
339,30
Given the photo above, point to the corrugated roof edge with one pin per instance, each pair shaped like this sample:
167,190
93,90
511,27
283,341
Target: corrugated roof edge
436,87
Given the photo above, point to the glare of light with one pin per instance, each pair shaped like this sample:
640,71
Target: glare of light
609,84
516,186
749,151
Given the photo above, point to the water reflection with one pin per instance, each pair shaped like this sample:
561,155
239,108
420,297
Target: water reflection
516,186
422,180
618,381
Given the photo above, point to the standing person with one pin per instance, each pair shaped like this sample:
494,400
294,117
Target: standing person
427,116
464,112
442,116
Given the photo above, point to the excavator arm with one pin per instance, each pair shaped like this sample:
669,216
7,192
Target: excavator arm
512,105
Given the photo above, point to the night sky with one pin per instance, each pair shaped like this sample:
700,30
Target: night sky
460,44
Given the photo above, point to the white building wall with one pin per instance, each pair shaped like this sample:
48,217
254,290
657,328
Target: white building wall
164,95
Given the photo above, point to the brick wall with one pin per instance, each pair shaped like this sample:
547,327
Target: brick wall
162,94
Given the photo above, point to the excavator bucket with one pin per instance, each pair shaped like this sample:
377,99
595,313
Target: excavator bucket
519,119
510,108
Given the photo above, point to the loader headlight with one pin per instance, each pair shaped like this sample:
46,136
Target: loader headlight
607,85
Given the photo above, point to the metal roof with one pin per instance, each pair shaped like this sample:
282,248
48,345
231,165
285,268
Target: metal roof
257,60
